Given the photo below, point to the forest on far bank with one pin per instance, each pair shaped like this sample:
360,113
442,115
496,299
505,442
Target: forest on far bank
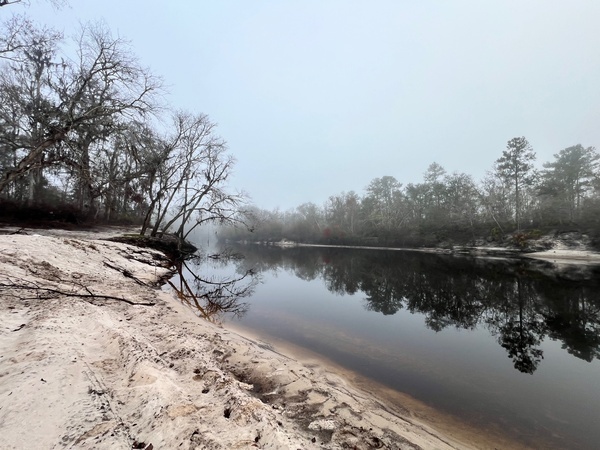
514,199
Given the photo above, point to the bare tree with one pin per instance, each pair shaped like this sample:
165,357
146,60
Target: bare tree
343,211
55,3
383,200
190,180
8,2
214,296
104,84
20,34
461,199
26,95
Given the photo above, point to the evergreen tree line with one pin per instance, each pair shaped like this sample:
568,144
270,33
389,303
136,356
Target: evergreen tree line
446,208
86,135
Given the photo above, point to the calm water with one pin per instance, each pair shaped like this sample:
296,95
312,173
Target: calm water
508,345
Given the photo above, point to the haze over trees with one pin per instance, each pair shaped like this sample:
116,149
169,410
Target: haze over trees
513,197
85,135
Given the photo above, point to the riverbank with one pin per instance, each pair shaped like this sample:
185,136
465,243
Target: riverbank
93,355
553,249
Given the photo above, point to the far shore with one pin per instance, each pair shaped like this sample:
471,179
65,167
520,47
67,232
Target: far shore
580,255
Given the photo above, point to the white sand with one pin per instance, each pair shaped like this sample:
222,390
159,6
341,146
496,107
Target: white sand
87,373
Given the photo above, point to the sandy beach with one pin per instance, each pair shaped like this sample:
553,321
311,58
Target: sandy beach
93,354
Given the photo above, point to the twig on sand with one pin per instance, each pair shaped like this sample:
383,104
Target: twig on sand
25,285
126,273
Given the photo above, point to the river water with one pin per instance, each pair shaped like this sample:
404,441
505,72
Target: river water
512,346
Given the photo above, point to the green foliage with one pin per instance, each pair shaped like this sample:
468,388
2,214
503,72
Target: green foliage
523,239
515,169
535,234
568,181
495,233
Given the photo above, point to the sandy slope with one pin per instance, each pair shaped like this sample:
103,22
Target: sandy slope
101,373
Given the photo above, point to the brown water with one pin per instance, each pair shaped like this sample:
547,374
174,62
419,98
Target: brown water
511,346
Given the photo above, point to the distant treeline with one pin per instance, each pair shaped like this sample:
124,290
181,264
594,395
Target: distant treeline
85,135
513,199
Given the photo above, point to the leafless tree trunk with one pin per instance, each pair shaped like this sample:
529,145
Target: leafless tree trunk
191,180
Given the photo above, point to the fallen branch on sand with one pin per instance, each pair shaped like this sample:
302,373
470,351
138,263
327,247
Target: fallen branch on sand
126,273
25,285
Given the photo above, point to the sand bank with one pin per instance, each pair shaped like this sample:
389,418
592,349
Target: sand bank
93,355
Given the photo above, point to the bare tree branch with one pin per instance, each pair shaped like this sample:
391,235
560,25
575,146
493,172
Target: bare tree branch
25,285
86,97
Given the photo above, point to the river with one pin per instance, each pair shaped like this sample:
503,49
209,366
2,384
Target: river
511,346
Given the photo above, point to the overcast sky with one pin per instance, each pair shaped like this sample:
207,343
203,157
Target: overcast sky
316,97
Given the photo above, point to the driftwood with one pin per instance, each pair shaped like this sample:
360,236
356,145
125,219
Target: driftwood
126,273
25,285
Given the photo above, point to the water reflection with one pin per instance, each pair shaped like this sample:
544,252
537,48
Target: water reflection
212,296
519,303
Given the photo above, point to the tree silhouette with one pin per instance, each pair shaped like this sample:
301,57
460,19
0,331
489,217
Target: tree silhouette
515,168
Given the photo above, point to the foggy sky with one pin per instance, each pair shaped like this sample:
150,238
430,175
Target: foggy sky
316,97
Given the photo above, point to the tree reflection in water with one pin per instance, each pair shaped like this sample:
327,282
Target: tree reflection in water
213,296
521,303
